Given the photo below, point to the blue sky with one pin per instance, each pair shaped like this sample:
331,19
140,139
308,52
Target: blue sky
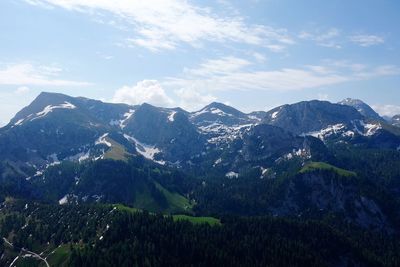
253,55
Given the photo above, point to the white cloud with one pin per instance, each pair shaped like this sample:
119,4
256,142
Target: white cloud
166,24
146,91
276,47
367,40
322,96
259,57
11,101
191,99
39,4
331,38
224,65
386,110
28,74
379,71
328,38
104,56
152,92
237,75
323,70
22,90
277,80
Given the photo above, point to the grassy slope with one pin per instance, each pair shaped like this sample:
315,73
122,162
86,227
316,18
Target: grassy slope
144,200
197,220
176,202
116,152
121,207
312,166
192,219
59,256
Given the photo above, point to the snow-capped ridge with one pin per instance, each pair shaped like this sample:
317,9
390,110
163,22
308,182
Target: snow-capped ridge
44,112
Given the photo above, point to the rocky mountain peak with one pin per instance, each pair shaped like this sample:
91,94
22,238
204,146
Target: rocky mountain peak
361,107
311,115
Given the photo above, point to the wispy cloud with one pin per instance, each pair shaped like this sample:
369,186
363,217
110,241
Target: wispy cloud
22,90
220,66
328,38
367,40
30,74
324,97
386,110
166,24
238,75
195,87
259,57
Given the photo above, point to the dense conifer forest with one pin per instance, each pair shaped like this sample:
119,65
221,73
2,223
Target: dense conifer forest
114,235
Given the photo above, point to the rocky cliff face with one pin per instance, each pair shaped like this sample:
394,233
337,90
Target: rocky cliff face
321,192
309,116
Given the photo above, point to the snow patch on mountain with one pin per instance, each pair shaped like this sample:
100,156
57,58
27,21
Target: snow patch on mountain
264,172
220,133
212,110
147,151
102,140
48,109
127,116
198,113
68,198
219,112
63,200
370,128
171,116
19,122
114,122
267,173
274,115
38,173
218,161
359,127
303,153
330,130
54,160
254,118
232,175
80,157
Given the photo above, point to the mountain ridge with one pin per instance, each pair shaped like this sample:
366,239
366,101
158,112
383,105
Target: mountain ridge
77,150
59,98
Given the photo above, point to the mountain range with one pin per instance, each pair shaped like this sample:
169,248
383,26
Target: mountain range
73,149
305,175
55,127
